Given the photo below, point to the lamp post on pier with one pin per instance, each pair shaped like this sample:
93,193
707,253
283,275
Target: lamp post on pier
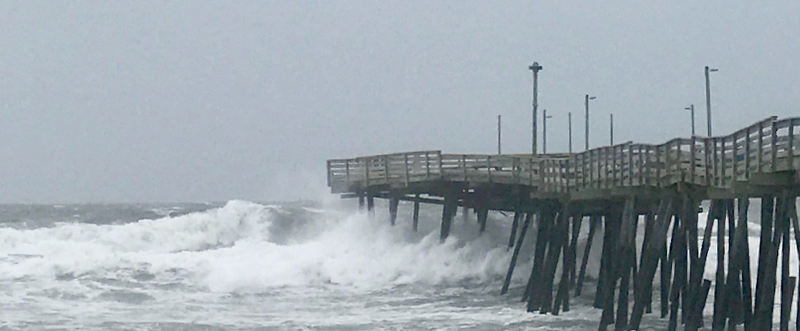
544,130
611,129
708,99
499,128
569,119
587,119
691,109
535,67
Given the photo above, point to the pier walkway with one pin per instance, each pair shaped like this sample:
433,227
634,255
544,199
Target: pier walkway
614,189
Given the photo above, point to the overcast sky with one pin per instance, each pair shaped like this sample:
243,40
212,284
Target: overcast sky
209,101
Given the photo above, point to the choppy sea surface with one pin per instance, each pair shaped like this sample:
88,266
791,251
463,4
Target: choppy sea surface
252,266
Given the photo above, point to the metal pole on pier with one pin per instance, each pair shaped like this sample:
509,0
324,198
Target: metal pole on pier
611,129
587,119
499,151
708,99
544,130
691,108
569,119
535,67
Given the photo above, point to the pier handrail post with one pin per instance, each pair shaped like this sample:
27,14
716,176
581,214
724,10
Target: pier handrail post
347,171
693,164
747,153
541,175
791,143
329,172
464,164
667,164
366,171
441,168
567,173
630,163
583,170
707,158
735,161
774,148
427,165
405,166
530,171
386,168
613,167
724,161
489,167
715,151
641,165
760,149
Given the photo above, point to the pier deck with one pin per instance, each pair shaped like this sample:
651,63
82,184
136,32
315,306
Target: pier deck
613,187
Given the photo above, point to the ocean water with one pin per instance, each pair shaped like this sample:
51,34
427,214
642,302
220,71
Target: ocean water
249,266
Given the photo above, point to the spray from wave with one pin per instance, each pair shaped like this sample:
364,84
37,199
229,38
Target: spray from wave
249,247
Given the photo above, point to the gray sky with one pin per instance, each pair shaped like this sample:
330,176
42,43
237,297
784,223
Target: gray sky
200,101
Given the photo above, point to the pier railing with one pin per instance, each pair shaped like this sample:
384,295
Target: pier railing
768,146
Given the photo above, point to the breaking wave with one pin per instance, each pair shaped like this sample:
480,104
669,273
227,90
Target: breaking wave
249,247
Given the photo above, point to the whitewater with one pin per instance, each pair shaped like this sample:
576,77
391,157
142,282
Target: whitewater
248,266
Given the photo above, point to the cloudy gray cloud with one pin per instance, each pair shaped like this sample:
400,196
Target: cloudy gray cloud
186,100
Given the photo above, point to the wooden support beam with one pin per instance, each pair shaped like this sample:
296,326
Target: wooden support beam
545,223
371,204
787,288
415,221
734,293
577,221
361,200
695,319
562,295
612,274
696,275
747,288
786,308
626,254
483,213
665,270
720,303
763,311
605,260
514,226
680,296
787,283
637,288
393,202
594,220
514,256
541,293
650,258
448,211
691,263
794,219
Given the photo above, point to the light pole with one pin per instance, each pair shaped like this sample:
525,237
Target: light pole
708,99
535,67
611,129
544,130
569,119
499,151
691,109
587,119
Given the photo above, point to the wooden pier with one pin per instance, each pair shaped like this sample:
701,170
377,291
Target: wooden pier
615,189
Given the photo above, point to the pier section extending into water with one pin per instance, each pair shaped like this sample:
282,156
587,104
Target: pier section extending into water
614,189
